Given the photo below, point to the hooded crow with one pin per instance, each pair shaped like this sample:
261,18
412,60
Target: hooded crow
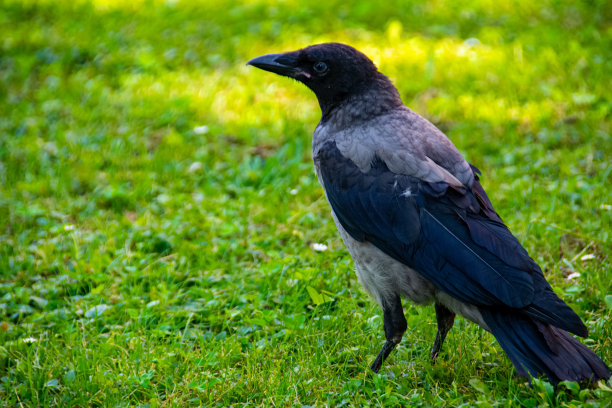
418,224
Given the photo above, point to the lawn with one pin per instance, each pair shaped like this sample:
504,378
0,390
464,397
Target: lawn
164,240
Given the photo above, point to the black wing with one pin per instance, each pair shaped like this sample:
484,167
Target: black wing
453,237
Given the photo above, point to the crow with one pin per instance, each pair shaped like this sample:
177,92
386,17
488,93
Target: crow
419,225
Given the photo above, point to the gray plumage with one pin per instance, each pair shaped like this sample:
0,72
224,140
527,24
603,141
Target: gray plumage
418,224
408,143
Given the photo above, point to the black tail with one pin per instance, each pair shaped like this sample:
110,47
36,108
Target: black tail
539,348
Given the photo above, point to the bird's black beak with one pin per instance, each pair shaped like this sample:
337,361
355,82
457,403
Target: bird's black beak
283,64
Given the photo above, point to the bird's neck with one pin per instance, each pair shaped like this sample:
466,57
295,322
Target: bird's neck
378,98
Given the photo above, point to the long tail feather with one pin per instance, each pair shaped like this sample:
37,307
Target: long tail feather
538,348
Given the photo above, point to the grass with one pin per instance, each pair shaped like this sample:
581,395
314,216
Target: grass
158,207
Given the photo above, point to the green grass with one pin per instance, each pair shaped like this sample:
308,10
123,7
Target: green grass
158,204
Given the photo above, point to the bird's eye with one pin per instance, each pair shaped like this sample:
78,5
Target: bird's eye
320,67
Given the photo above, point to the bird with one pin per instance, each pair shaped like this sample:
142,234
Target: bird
418,224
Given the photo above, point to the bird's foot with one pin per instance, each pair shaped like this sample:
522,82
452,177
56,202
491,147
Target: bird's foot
384,353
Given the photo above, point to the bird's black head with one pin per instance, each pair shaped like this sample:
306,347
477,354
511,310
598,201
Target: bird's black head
334,72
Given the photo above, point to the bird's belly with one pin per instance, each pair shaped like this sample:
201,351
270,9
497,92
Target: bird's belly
382,276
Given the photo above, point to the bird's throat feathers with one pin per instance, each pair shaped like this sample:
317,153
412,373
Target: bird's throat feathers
361,103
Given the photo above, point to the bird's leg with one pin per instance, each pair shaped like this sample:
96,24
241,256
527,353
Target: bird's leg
445,319
395,326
